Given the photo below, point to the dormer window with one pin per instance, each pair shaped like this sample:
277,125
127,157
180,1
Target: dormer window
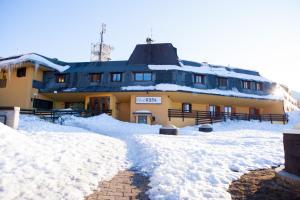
116,77
142,76
60,78
95,77
246,85
199,78
21,72
259,86
222,82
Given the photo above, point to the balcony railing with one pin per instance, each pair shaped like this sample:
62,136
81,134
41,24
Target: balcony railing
207,117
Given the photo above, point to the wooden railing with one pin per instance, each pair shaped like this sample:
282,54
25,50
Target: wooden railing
55,114
207,117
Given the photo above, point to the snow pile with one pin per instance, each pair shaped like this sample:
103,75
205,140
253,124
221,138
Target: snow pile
108,125
206,69
48,161
5,64
174,87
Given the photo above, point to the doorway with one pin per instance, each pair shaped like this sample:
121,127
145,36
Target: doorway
99,105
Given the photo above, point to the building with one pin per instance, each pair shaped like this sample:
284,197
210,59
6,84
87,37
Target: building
290,103
152,86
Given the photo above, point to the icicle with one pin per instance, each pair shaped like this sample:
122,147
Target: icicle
9,73
36,67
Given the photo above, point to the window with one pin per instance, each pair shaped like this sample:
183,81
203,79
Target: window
95,77
2,83
143,76
214,110
60,78
116,77
246,85
198,78
142,119
222,82
21,72
186,107
259,86
228,110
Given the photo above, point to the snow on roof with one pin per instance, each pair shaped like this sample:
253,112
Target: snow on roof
143,111
7,63
207,69
174,87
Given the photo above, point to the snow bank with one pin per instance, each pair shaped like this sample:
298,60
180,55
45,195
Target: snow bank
174,87
110,126
5,64
206,69
49,161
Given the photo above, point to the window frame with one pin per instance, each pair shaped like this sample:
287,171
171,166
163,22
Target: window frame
260,86
189,110
247,84
112,76
91,75
202,79
219,81
143,76
21,72
64,76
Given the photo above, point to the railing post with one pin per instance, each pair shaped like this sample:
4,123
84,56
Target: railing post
197,116
271,119
182,115
259,118
169,114
211,121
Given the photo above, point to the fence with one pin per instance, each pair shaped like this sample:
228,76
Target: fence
56,114
207,117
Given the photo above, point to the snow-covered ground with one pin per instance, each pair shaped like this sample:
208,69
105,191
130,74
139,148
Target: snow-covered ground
50,161
195,165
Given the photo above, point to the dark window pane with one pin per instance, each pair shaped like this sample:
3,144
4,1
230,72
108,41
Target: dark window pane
96,77
21,72
186,107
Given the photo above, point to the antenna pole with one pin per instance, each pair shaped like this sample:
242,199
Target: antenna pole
103,29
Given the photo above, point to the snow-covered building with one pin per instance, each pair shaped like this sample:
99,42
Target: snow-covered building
172,91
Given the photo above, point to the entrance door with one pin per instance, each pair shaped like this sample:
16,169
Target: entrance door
99,105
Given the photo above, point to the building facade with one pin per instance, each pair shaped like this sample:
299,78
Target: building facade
150,87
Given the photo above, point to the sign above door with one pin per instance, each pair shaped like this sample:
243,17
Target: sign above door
148,100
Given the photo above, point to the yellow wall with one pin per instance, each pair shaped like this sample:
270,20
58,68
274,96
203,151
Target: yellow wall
159,111
124,111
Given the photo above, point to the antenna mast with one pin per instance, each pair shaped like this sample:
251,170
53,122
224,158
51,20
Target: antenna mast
101,51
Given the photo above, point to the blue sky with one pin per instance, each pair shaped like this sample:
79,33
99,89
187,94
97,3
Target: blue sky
260,35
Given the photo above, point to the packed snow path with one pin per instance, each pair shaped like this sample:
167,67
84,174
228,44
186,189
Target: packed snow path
194,165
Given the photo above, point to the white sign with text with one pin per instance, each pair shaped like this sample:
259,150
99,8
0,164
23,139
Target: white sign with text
148,100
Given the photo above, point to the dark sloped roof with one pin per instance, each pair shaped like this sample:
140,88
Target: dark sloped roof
154,54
